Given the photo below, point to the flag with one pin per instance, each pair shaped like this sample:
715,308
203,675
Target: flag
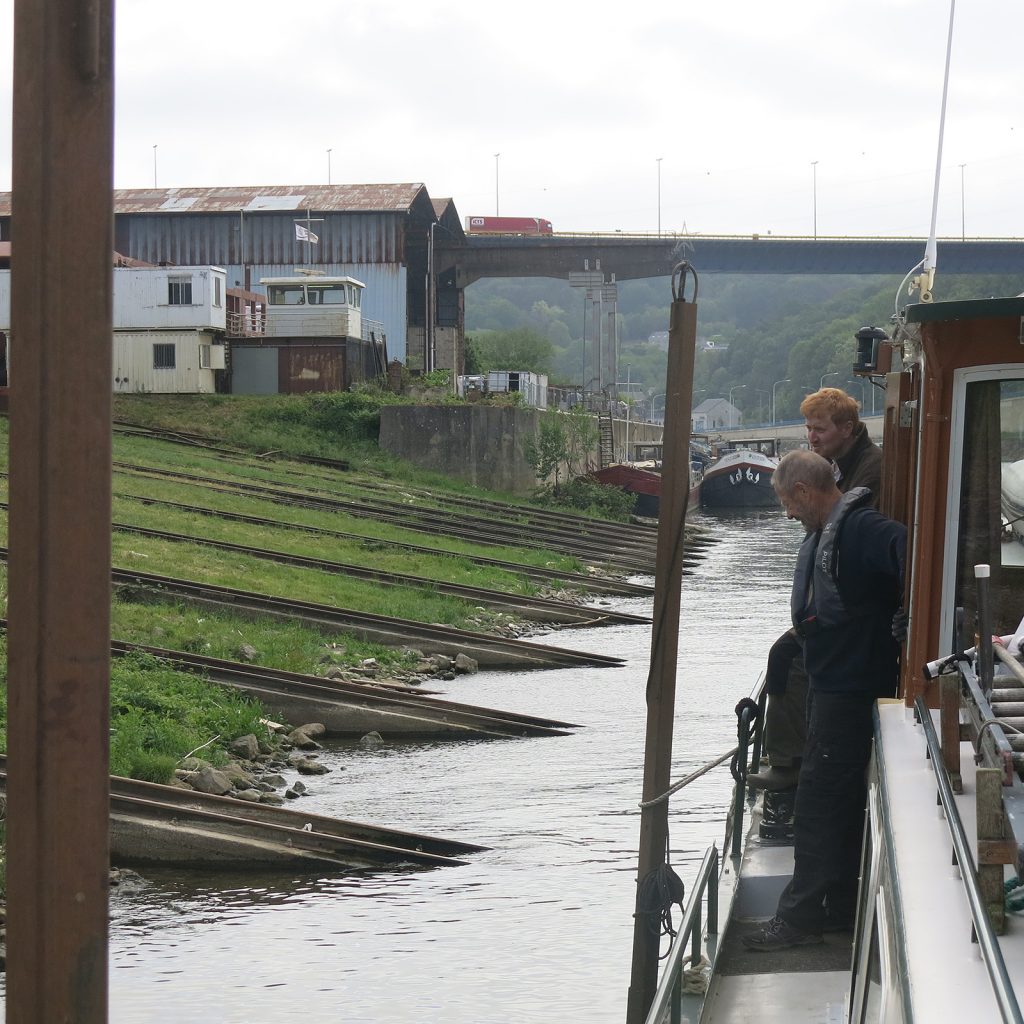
303,234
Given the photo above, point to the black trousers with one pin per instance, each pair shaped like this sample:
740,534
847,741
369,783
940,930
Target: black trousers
828,821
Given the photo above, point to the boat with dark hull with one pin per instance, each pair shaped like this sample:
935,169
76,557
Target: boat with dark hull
741,477
642,477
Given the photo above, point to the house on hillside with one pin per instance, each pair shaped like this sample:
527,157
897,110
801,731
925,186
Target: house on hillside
715,414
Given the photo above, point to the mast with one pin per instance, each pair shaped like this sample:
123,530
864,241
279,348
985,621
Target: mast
661,679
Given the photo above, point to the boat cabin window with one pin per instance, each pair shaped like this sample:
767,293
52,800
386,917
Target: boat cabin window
286,294
991,501
327,294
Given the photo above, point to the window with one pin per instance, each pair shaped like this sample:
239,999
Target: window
286,295
163,357
179,291
217,299
205,361
326,294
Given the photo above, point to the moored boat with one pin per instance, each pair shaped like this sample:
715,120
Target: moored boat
929,943
642,477
741,475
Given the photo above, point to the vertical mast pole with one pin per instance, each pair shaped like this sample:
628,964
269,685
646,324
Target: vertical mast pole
661,680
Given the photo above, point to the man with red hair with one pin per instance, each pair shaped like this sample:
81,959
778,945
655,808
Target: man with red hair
835,432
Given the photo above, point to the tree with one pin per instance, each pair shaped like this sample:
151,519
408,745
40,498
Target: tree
521,349
546,452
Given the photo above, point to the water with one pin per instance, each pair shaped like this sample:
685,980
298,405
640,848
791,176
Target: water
537,929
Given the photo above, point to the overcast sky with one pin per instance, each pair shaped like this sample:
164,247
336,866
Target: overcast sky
737,97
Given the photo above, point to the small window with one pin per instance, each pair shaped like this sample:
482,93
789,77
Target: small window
217,299
204,357
286,295
179,291
163,357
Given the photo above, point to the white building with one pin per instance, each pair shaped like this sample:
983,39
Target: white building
715,414
168,328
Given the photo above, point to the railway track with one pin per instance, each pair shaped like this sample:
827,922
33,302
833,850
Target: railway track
630,556
348,709
534,608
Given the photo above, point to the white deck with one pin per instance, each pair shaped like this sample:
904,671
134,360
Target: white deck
948,980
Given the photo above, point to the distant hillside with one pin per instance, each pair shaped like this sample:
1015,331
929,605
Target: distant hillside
765,329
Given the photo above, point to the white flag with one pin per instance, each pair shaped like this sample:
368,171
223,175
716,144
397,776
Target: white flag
303,234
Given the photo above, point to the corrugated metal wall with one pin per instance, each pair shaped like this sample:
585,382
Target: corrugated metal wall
226,238
134,370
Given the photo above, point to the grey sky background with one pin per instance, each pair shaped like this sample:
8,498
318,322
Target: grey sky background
580,100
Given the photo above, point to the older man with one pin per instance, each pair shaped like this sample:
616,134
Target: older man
834,431
846,589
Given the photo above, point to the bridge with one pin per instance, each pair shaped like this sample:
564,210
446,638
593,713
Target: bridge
629,257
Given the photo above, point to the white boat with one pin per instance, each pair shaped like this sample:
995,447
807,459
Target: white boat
938,936
741,475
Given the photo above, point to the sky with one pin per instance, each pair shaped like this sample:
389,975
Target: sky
718,117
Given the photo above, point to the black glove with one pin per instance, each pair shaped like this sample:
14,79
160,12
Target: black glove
900,620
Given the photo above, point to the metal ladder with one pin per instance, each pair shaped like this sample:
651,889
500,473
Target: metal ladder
606,448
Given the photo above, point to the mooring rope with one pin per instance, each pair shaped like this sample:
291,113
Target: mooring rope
660,888
688,779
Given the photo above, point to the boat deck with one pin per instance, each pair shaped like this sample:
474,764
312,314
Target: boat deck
754,986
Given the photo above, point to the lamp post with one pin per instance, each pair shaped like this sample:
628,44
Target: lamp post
814,194
735,387
664,399
658,162
497,210
860,381
963,223
831,373
154,164
785,380
760,407
328,167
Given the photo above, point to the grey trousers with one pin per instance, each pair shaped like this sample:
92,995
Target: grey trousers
785,719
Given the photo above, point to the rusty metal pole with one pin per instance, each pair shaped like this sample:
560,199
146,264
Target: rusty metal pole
60,467
661,680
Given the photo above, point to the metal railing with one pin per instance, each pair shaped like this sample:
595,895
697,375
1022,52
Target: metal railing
988,943
669,995
750,721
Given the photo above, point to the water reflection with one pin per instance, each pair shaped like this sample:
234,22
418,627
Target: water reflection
537,928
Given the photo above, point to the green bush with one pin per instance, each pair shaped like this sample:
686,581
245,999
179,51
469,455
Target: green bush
600,500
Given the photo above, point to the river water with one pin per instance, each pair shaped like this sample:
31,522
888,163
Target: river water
536,929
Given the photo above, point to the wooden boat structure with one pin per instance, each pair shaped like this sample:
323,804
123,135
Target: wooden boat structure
642,477
937,936
152,824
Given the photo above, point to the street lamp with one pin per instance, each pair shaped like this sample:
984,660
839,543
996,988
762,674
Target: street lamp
831,373
785,380
814,187
154,164
658,161
496,208
860,381
735,387
760,407
963,227
328,167
664,399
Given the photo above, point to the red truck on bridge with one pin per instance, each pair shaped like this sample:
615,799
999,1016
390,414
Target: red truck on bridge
508,226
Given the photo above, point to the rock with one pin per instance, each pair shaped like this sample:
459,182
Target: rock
306,766
251,795
449,675
313,729
466,665
291,794
210,780
441,662
247,653
302,736
245,746
371,740
299,786
271,798
274,780
369,662
335,673
194,764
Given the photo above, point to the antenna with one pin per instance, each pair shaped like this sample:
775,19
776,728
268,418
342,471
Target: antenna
926,279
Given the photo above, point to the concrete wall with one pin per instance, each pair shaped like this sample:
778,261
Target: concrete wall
481,444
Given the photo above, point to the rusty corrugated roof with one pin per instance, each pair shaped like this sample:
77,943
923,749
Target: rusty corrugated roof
398,198
257,198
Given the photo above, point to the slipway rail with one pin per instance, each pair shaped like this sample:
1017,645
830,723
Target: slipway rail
627,554
488,650
534,573
153,824
536,608
352,709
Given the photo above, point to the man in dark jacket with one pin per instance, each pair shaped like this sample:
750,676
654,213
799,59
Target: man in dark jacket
846,590
835,432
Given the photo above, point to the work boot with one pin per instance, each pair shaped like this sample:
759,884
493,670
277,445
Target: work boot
774,778
777,934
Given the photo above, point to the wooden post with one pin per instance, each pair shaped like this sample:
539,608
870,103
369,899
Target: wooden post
949,727
62,229
661,680
993,849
